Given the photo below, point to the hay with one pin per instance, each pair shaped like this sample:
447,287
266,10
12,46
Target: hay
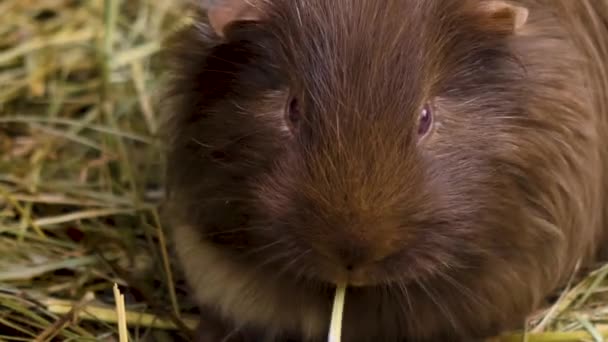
337,313
80,180
80,172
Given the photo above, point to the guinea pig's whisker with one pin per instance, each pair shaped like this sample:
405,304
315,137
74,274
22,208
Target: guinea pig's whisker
465,291
223,60
398,293
273,259
239,230
439,305
403,289
285,255
293,262
258,267
213,235
300,273
214,200
232,333
228,142
216,234
265,247
196,141
222,72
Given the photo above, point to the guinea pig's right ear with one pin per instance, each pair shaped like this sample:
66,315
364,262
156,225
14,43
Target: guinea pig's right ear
502,16
222,13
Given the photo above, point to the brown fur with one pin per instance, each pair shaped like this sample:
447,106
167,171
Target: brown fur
454,238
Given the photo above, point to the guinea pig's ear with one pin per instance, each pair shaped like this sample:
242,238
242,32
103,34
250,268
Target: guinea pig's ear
222,13
502,16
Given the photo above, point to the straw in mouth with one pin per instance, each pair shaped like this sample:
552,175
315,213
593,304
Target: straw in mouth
335,328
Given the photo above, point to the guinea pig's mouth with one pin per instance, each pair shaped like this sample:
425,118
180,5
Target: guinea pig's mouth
399,269
380,273
361,279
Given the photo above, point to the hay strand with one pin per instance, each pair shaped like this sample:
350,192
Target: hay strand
123,335
335,327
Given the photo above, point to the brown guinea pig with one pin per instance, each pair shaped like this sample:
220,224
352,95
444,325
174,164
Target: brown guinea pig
444,158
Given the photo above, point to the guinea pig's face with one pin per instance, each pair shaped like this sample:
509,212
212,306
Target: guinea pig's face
338,148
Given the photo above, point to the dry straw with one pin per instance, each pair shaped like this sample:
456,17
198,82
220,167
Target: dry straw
337,313
80,181
123,335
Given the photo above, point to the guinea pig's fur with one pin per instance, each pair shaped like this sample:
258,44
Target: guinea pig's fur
455,236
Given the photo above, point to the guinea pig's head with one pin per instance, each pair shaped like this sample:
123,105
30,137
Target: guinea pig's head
367,142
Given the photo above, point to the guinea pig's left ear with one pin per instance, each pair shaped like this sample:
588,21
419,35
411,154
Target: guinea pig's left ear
502,16
222,13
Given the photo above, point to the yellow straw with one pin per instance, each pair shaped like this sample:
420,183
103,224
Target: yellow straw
335,328
120,312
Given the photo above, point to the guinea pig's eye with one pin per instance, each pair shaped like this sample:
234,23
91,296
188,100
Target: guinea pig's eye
293,113
425,121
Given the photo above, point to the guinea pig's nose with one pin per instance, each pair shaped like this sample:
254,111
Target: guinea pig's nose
353,258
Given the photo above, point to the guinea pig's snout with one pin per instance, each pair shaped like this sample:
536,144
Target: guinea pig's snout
353,258
357,264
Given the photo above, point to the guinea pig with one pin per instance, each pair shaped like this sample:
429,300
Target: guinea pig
443,158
